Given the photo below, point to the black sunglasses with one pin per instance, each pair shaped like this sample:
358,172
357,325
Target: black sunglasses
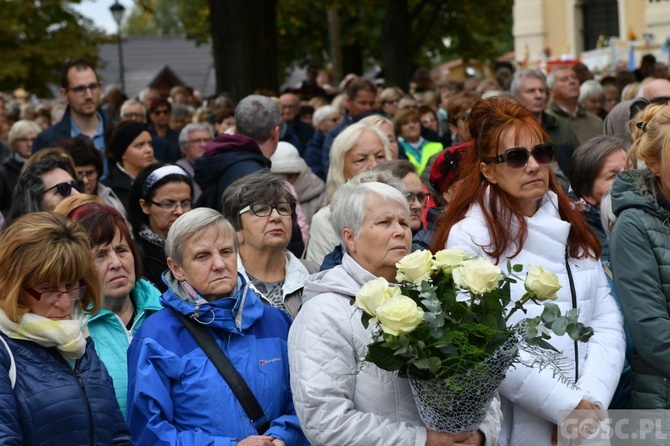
65,189
517,157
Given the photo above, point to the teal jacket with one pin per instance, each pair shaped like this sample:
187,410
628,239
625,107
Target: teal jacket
640,256
111,338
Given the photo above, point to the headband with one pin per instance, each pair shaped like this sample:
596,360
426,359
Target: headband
160,173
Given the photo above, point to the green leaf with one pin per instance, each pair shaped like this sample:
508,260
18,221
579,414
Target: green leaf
517,268
384,358
550,312
559,326
365,319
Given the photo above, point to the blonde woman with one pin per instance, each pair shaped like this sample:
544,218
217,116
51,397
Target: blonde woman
359,148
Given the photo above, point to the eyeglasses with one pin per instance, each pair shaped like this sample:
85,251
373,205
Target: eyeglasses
65,189
199,141
421,197
51,297
88,174
81,89
392,101
172,205
265,210
464,116
427,121
161,112
133,116
517,157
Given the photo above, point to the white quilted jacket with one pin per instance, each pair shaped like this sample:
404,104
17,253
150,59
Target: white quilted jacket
530,399
339,399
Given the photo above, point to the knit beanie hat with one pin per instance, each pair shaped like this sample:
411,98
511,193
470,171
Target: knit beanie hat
124,134
286,159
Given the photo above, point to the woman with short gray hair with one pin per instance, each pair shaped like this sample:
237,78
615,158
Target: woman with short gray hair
176,395
262,211
20,140
593,168
328,340
592,98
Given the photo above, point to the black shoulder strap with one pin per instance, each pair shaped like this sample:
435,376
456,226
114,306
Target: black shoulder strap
574,305
228,372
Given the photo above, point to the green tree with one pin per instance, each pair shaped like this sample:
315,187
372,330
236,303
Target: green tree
400,35
155,18
36,37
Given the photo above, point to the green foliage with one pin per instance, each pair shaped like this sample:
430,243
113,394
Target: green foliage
303,33
303,29
36,37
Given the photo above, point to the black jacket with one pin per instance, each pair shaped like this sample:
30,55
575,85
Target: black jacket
227,158
119,182
9,175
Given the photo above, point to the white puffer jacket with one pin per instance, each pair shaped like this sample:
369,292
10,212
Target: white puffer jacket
531,399
339,399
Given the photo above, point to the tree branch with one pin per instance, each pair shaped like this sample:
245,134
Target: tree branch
417,9
416,45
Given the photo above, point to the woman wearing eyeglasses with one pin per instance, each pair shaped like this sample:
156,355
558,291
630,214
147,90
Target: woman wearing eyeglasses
159,195
510,207
53,387
416,194
262,211
46,180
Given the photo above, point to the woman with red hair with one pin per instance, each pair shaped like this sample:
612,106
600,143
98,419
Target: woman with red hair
509,206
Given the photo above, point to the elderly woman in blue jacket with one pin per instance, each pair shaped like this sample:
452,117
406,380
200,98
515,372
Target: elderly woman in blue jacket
175,393
54,390
128,300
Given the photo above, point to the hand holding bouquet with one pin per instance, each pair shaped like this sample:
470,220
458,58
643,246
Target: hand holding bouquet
446,326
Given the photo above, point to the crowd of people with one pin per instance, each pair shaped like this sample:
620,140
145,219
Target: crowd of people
180,270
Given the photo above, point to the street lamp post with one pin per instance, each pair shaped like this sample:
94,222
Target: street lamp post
118,11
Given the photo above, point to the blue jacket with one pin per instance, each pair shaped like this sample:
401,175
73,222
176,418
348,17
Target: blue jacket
112,338
313,154
176,395
52,404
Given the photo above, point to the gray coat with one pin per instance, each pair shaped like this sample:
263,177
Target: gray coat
640,253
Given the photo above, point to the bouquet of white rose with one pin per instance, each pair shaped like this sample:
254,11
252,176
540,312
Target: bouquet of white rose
445,327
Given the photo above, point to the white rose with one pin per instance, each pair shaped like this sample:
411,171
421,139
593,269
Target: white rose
414,267
543,283
373,294
448,259
400,315
479,276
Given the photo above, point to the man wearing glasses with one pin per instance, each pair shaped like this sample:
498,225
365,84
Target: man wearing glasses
193,140
81,91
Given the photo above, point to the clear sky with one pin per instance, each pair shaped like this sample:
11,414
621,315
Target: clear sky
98,11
